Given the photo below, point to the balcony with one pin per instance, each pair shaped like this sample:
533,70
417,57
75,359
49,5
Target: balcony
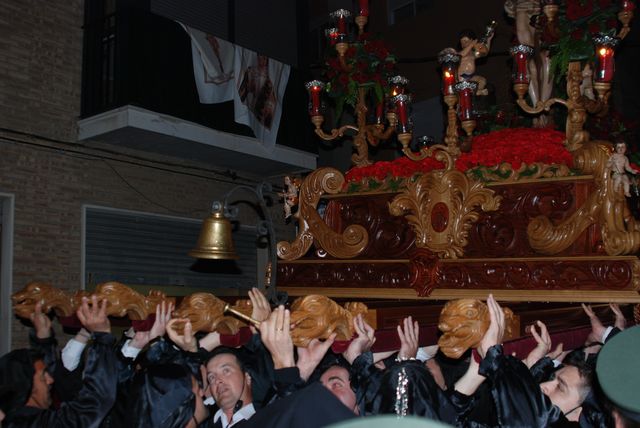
138,92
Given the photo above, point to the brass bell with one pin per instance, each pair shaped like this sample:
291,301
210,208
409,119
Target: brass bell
215,241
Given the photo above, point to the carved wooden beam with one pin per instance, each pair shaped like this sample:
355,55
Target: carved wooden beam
312,317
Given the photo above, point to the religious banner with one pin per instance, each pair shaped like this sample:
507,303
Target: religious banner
260,83
224,71
212,66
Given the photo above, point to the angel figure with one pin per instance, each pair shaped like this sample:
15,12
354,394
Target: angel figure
290,195
618,163
472,49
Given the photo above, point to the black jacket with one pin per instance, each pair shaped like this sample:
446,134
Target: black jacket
92,402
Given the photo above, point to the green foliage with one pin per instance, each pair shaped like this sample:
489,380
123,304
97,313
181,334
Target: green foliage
578,22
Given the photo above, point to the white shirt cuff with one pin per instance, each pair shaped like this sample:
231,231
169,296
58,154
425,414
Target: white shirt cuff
71,354
129,351
422,355
606,334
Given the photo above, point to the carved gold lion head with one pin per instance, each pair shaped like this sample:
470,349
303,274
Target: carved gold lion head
206,313
63,303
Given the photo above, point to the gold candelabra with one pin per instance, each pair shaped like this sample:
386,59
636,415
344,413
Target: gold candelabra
578,104
365,134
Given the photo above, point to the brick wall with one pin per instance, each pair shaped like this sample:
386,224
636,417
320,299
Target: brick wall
40,66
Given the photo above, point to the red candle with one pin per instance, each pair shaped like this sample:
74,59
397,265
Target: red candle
402,104
521,54
315,105
448,80
340,16
342,25
364,7
604,57
521,74
448,60
628,6
604,69
465,92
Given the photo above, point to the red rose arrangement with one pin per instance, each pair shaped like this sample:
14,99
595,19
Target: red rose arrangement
512,145
578,22
369,63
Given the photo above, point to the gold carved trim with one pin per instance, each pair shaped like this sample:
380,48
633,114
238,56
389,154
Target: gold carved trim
455,195
311,226
492,176
539,259
593,296
338,262
505,173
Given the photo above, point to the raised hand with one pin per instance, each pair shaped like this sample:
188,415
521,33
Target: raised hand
163,316
94,318
41,322
159,327
363,342
621,321
597,329
559,353
261,308
275,333
312,355
185,341
543,344
408,339
495,332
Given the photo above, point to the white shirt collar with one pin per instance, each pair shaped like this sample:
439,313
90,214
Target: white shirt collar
245,413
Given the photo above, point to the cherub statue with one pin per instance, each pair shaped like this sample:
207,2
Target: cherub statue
471,49
618,164
290,195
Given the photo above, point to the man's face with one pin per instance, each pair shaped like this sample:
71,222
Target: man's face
227,382
621,148
564,390
41,389
465,41
336,380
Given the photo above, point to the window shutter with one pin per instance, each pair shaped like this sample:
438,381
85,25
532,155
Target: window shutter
145,249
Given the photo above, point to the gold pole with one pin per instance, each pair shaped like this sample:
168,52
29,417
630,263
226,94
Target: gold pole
243,317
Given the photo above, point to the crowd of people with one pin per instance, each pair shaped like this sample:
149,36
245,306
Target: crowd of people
170,377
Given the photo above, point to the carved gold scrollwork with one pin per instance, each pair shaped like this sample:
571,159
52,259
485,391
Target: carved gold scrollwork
346,245
442,207
605,207
505,173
